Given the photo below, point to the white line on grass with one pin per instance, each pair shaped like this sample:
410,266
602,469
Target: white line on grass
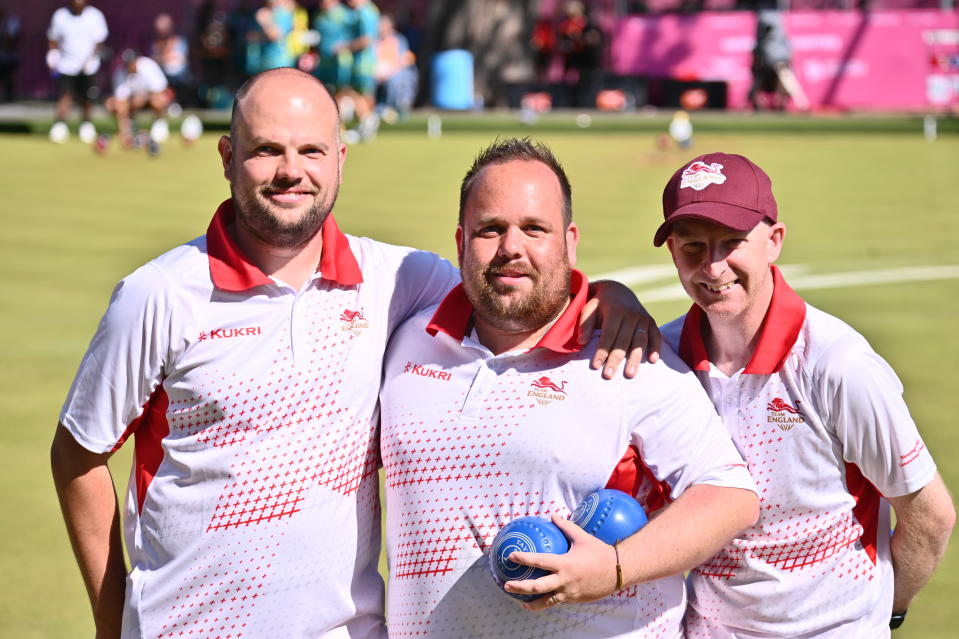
798,276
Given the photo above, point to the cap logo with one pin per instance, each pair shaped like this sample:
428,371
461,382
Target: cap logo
699,175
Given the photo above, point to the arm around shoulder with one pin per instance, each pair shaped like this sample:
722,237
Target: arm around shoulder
924,523
89,505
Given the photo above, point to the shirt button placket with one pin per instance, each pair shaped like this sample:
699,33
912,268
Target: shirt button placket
484,379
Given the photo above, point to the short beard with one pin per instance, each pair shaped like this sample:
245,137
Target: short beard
269,229
546,299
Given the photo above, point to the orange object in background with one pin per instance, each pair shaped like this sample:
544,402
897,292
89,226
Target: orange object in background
540,102
693,99
611,100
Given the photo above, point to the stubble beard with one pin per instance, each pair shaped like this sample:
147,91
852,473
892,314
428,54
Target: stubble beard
265,225
545,300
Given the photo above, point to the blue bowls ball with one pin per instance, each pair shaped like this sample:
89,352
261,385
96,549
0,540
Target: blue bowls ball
526,534
609,514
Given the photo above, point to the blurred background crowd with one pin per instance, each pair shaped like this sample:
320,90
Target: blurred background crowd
386,57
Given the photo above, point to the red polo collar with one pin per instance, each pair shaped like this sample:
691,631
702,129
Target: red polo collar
454,313
780,328
232,271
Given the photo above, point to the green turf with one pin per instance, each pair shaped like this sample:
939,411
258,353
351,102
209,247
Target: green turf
75,223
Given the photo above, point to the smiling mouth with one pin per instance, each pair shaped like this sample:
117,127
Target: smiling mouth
720,288
289,197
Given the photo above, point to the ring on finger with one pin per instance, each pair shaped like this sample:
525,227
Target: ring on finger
640,330
552,601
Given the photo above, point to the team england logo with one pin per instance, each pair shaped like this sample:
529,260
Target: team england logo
544,390
353,321
783,415
699,175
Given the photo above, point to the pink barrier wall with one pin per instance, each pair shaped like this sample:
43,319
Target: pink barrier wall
900,60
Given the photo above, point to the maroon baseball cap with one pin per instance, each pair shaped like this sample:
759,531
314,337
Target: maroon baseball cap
723,188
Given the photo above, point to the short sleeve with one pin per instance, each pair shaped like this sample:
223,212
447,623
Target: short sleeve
861,397
124,363
680,437
155,79
101,32
55,31
370,24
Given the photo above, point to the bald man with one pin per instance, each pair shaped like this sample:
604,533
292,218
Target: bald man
246,364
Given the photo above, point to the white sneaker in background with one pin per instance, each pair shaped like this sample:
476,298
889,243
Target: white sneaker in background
191,128
160,131
88,132
59,133
368,127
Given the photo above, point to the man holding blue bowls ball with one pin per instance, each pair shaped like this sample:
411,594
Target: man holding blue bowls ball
490,413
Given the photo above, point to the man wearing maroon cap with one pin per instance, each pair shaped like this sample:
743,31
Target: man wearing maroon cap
817,415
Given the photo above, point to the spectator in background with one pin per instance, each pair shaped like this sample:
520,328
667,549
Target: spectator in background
333,24
239,22
75,36
395,70
772,65
300,39
213,42
581,42
10,32
365,29
139,83
275,21
171,52
544,47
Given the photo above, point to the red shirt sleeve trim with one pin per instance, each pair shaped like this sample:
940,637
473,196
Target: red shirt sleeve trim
632,476
866,510
231,270
149,430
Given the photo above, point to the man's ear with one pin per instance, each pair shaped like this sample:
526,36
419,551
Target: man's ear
777,234
225,147
460,244
572,241
341,152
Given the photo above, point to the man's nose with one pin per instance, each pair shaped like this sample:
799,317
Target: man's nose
510,243
714,262
290,166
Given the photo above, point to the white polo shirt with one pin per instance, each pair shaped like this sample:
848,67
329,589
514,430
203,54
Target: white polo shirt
820,419
471,441
253,507
148,78
77,37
